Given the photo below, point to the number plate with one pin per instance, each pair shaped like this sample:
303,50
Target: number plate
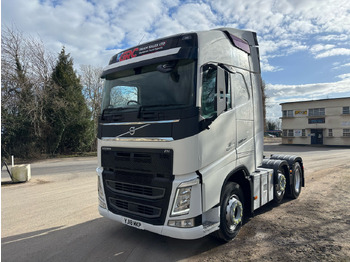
132,223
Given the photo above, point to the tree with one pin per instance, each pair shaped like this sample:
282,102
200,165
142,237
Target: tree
69,119
42,110
18,94
270,125
90,78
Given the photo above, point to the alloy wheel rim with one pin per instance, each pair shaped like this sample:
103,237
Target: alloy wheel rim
234,213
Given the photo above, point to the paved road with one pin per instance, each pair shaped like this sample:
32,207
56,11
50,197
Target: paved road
54,217
58,166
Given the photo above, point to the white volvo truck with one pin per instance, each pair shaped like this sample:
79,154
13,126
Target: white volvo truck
180,139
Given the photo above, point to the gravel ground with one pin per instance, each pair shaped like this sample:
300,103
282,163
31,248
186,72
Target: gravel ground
314,227
54,217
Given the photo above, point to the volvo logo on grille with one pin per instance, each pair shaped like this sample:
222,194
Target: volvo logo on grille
132,131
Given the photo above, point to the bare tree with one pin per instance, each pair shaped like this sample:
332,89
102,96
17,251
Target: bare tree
39,71
90,78
25,71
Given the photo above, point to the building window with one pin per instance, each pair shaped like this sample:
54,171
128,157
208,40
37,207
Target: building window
346,132
316,112
303,132
346,110
288,132
330,132
316,120
288,113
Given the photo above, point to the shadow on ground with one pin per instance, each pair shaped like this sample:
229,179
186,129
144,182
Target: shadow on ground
100,240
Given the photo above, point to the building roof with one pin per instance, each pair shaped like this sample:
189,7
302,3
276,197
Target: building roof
306,101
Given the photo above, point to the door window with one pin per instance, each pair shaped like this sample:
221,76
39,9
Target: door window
209,91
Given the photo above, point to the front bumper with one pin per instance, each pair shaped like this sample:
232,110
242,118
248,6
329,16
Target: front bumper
174,232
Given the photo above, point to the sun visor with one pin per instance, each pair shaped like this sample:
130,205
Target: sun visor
182,46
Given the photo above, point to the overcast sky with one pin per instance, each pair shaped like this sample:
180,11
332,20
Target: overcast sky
304,44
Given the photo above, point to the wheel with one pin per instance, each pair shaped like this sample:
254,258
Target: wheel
280,187
231,212
296,181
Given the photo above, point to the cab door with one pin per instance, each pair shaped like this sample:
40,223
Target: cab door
218,140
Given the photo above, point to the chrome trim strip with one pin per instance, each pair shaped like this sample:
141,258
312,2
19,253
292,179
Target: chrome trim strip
140,123
138,139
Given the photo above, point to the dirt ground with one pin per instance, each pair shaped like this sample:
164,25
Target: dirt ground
54,217
314,227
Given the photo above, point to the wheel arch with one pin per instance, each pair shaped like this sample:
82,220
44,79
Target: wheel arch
278,165
240,175
291,160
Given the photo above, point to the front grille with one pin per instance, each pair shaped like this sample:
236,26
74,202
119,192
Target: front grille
135,190
137,158
138,182
135,208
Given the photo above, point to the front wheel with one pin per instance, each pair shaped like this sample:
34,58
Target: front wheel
231,212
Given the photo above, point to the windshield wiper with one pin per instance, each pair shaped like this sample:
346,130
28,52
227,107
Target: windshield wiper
111,110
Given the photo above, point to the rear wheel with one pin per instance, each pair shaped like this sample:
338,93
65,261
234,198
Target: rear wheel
231,212
296,181
279,187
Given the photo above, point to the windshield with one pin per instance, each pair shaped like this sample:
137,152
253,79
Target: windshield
169,84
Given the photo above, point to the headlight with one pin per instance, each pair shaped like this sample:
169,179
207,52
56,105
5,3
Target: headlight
182,199
182,203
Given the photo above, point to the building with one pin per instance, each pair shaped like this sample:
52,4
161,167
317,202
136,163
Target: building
323,122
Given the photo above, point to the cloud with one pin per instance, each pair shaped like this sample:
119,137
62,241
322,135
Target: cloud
103,25
93,30
340,66
327,50
344,76
292,93
334,52
309,91
318,48
341,37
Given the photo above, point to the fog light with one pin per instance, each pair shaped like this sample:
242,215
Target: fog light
184,223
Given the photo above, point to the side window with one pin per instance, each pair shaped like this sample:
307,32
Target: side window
209,91
240,89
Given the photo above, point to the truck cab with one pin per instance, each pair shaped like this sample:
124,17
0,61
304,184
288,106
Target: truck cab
180,136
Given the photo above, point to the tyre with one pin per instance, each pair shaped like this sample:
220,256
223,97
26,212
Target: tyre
296,181
279,187
231,212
